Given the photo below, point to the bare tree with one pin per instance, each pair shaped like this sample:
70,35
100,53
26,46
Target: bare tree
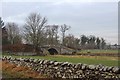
13,33
63,29
56,27
52,34
72,42
34,28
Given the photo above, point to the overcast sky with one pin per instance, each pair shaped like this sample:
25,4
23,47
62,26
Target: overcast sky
89,17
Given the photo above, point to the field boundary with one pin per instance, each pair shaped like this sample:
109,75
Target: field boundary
55,69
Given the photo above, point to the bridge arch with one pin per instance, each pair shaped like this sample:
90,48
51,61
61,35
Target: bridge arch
52,51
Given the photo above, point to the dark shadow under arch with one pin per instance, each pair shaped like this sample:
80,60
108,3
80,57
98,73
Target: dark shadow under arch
52,51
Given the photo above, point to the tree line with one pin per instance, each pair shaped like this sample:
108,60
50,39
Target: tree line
37,32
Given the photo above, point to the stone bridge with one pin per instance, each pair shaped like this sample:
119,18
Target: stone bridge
57,49
51,49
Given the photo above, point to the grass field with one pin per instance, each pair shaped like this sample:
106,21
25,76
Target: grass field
108,61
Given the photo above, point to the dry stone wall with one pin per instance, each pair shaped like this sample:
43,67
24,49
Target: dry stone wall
54,69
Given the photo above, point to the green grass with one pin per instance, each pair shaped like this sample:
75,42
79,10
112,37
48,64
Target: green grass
76,59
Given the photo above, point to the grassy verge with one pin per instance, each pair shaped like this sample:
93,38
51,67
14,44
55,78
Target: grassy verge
108,61
12,71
